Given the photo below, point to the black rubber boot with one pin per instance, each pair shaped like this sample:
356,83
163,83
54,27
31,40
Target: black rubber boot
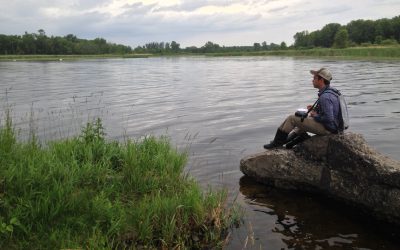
279,140
291,136
298,139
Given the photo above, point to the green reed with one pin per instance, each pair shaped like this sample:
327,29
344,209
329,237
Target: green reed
376,53
87,192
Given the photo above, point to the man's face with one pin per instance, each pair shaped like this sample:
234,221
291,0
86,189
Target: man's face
317,81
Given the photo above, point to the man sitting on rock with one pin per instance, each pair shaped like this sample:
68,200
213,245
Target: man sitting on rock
323,117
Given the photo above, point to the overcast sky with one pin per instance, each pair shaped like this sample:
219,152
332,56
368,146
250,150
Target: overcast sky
188,22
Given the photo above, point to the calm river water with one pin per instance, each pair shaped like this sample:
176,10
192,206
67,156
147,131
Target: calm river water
221,109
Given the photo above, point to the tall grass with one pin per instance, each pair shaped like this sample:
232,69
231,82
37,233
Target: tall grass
87,192
388,52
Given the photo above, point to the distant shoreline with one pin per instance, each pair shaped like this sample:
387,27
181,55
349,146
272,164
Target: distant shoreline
68,57
373,53
352,53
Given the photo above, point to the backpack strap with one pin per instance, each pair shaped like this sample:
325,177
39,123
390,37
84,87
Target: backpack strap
316,102
332,91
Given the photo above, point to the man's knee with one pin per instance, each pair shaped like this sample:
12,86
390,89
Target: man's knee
292,118
295,120
289,123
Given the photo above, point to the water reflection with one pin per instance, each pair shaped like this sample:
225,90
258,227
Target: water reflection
305,221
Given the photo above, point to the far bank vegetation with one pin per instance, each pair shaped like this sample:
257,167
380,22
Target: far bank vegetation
358,33
379,33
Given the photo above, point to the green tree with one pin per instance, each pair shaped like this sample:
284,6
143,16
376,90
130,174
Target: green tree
192,49
341,38
70,44
101,45
384,28
327,35
3,44
71,38
361,31
42,43
42,32
167,46
378,39
139,49
396,28
62,46
29,43
274,46
264,45
210,47
175,46
283,45
12,43
302,40
257,46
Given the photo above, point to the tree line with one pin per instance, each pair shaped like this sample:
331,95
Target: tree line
358,32
208,47
41,44
158,47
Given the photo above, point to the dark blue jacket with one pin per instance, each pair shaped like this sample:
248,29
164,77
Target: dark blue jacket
328,109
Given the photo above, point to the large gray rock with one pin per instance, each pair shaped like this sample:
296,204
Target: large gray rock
342,166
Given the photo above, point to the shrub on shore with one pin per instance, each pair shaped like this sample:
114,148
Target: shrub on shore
86,192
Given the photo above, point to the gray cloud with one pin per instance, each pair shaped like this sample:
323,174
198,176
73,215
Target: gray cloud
277,9
335,10
157,28
87,4
185,6
192,5
136,9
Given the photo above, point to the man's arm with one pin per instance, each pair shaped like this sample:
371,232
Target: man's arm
325,115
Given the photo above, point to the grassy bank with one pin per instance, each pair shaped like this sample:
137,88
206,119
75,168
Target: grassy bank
347,53
67,57
372,52
88,193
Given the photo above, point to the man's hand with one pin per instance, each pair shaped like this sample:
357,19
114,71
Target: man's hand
313,113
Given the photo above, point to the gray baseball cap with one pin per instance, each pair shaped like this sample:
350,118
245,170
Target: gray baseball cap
323,72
